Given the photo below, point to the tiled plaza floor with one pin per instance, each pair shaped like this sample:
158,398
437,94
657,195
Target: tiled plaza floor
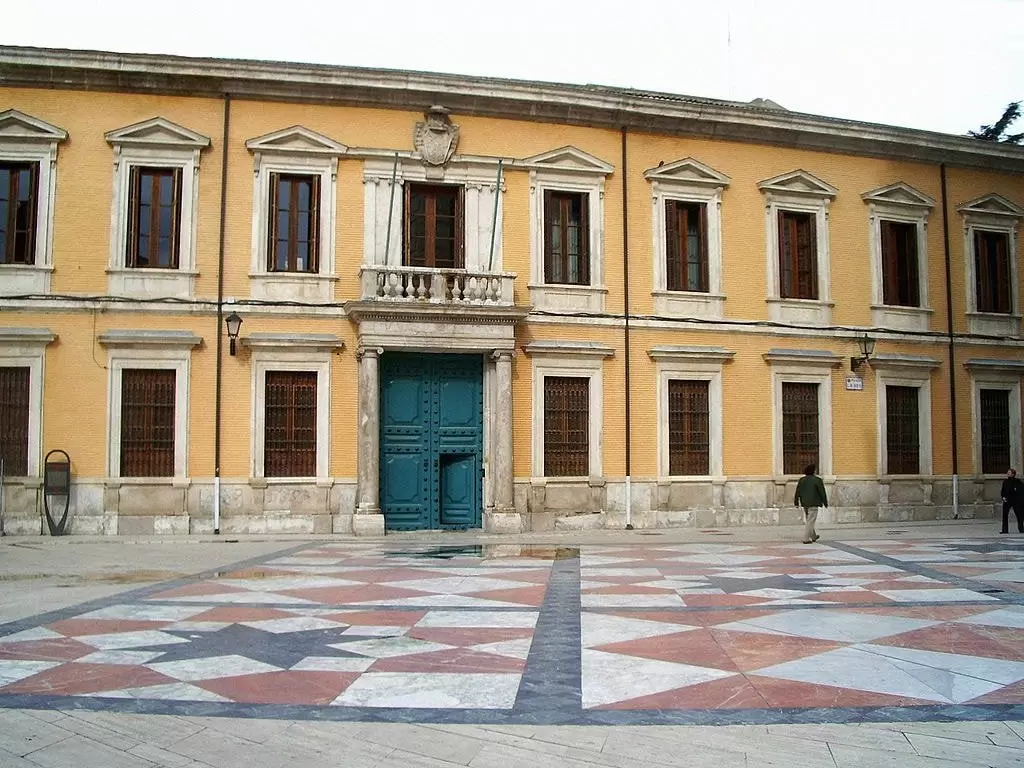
701,633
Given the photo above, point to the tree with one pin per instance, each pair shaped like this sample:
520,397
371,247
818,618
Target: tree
997,131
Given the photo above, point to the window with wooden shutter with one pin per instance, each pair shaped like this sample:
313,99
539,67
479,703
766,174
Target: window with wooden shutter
289,443
798,256
154,217
992,275
995,431
566,238
19,189
566,426
686,251
799,426
14,403
688,428
293,235
900,286
147,423
902,434
434,226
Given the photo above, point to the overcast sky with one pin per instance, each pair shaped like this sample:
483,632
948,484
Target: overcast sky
944,65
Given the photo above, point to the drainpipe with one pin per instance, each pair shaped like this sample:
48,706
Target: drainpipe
625,299
220,314
952,352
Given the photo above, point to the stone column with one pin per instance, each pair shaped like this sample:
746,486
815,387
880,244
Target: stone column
368,519
503,518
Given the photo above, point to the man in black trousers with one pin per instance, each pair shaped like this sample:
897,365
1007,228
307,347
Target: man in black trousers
1013,496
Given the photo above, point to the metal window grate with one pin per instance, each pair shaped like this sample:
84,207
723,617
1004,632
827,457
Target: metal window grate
688,431
566,426
14,390
902,437
995,430
799,426
289,437
147,423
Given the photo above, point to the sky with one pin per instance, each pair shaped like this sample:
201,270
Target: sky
941,65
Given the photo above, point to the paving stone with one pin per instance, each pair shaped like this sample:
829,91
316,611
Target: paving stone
20,733
966,752
83,752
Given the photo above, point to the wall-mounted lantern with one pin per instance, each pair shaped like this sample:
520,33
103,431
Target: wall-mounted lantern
234,324
867,347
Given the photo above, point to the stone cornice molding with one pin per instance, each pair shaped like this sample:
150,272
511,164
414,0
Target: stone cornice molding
569,348
1006,366
899,194
133,338
598,106
156,132
17,126
991,205
803,357
25,336
288,341
416,312
886,362
691,353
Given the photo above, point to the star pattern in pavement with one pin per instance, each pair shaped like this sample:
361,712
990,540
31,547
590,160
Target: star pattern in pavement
732,586
986,549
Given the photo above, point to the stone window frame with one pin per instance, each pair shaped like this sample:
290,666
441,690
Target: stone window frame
567,169
155,143
690,363
163,350
27,139
294,151
800,192
689,181
310,352
574,359
901,203
26,348
996,374
992,213
905,371
810,367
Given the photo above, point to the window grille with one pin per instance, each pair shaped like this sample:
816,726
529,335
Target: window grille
147,423
566,426
289,443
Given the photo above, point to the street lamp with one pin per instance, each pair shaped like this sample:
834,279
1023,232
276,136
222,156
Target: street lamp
234,324
867,346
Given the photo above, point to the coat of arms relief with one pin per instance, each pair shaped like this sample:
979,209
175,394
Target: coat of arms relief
436,138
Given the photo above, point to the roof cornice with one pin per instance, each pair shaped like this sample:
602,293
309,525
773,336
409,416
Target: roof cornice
597,106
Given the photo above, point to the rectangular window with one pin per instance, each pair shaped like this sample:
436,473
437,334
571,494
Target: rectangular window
294,223
154,217
289,441
14,383
798,256
433,226
566,426
995,431
992,271
688,428
900,287
566,238
686,249
19,184
147,423
799,426
902,434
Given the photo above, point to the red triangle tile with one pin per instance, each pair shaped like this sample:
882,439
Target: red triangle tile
376,618
728,693
80,626
932,612
52,649
285,687
786,693
231,614
454,660
720,601
963,639
697,647
385,575
1010,694
629,589
522,596
849,596
202,589
343,595
754,650
72,679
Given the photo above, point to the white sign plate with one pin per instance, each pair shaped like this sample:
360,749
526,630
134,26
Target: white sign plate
854,383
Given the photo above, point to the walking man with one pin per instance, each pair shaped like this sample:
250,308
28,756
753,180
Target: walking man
1013,496
810,494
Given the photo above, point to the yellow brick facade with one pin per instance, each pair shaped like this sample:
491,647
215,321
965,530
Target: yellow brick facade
80,312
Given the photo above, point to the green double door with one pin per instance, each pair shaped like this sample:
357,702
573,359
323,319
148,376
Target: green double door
431,441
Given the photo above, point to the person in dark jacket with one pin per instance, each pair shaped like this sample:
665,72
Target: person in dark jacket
1013,496
810,494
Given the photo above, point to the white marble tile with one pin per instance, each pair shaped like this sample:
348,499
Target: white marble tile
1014,575
281,583
11,671
442,601
368,631
210,668
780,594
427,689
118,640
198,626
28,635
389,647
824,624
146,612
724,558
603,572
297,624
516,649
128,658
260,598
166,692
600,629
519,619
1012,616
855,569
611,677
631,601
999,671
459,585
333,664
934,595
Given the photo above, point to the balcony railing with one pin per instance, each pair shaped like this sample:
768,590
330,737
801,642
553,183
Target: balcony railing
439,286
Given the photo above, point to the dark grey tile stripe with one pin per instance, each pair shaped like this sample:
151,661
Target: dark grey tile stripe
551,684
922,569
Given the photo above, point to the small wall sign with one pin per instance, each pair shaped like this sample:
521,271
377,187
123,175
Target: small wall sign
854,383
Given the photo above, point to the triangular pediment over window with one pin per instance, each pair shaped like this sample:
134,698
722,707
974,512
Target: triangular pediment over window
899,194
687,171
798,182
15,125
992,205
297,140
157,132
568,159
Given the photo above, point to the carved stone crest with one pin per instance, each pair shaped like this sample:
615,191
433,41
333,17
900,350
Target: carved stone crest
436,138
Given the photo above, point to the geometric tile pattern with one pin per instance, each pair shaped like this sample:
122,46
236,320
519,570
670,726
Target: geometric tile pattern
686,633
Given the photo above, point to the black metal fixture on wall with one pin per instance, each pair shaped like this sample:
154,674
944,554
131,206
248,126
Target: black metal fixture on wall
234,324
867,347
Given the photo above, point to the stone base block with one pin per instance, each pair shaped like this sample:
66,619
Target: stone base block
342,523
593,522
364,524
503,522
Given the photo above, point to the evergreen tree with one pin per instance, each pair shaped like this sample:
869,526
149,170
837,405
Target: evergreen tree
997,131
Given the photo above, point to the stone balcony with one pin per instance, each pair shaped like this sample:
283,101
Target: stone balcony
427,285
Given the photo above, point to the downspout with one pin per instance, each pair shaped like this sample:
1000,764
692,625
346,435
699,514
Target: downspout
220,313
952,351
625,298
